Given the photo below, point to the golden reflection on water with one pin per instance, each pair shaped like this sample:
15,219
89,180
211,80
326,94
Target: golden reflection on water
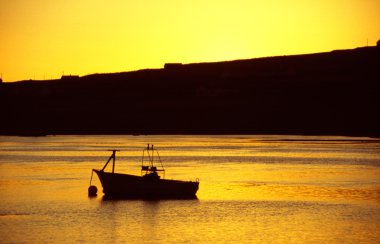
251,191
296,182
233,168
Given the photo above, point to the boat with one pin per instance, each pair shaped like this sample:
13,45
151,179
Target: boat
150,184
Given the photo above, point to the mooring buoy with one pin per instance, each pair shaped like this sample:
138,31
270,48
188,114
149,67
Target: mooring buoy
92,191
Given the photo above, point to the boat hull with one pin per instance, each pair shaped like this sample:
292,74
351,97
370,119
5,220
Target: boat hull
131,186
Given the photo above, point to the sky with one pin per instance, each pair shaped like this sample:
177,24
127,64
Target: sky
45,39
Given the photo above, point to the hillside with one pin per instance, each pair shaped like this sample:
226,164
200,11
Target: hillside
332,93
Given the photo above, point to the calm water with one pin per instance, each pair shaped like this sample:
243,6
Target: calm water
253,189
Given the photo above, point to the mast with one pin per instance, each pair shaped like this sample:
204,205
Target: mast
113,157
150,168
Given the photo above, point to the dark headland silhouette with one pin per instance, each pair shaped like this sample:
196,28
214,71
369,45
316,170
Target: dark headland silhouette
332,93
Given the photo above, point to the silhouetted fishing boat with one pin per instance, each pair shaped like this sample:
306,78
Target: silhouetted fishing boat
149,185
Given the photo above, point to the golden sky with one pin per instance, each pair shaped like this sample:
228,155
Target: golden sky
43,39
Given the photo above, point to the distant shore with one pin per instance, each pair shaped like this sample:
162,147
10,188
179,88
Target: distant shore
332,93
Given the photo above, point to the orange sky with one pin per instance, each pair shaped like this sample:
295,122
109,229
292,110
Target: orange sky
43,39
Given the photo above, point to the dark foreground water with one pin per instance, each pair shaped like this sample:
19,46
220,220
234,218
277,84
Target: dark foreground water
253,189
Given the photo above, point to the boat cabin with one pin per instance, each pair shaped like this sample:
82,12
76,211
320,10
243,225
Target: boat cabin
148,170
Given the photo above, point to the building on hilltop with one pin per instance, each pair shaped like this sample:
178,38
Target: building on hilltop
69,77
172,66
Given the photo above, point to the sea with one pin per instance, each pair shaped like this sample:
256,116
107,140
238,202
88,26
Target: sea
253,189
